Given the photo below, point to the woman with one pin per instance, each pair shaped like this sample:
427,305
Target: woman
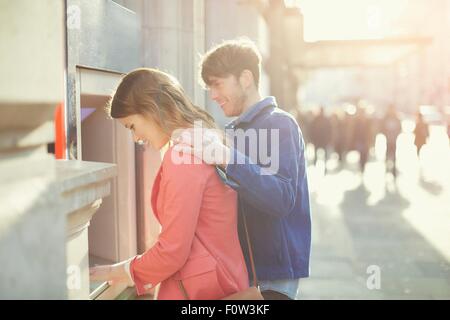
197,255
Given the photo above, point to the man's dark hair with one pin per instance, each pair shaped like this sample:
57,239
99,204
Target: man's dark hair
231,58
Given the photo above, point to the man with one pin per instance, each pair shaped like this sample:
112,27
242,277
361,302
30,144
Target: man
362,136
421,132
321,134
273,195
391,127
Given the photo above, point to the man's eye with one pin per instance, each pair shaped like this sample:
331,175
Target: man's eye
132,127
214,85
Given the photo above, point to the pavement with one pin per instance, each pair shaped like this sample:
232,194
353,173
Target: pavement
379,238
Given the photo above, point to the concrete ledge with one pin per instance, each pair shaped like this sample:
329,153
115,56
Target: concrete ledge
82,186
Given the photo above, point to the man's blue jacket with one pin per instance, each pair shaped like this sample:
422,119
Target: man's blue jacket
273,195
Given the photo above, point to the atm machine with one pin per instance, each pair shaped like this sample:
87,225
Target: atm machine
103,43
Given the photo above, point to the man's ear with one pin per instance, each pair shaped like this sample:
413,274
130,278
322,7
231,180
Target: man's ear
246,79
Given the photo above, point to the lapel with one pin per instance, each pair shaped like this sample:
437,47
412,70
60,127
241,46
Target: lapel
157,182
155,192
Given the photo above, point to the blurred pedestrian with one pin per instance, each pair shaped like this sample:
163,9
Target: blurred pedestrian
320,131
339,134
448,126
421,132
361,136
391,128
304,121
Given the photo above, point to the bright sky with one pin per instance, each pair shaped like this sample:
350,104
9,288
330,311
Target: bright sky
348,19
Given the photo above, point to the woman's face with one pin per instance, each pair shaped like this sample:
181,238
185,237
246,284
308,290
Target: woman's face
145,129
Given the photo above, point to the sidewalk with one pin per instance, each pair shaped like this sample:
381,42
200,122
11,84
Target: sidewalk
405,231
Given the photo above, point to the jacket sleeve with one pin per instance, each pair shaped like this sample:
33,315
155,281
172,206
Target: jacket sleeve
181,192
272,191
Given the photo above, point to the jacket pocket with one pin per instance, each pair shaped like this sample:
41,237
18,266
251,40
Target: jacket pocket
199,278
229,286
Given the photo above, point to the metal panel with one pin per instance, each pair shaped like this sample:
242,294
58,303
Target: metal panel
100,35
108,36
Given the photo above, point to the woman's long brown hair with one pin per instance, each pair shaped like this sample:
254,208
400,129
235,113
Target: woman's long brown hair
154,93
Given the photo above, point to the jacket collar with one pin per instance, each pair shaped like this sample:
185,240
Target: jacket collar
253,111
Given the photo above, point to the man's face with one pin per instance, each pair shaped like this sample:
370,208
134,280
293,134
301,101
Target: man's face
228,93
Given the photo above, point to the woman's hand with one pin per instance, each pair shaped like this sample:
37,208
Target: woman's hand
114,273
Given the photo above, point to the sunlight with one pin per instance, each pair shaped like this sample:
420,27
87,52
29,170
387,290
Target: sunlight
349,19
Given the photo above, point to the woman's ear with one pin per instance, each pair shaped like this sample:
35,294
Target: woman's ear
246,79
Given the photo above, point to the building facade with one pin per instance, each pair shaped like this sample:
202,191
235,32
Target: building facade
62,63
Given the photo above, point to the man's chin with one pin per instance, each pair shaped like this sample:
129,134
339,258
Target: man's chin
229,113
226,113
